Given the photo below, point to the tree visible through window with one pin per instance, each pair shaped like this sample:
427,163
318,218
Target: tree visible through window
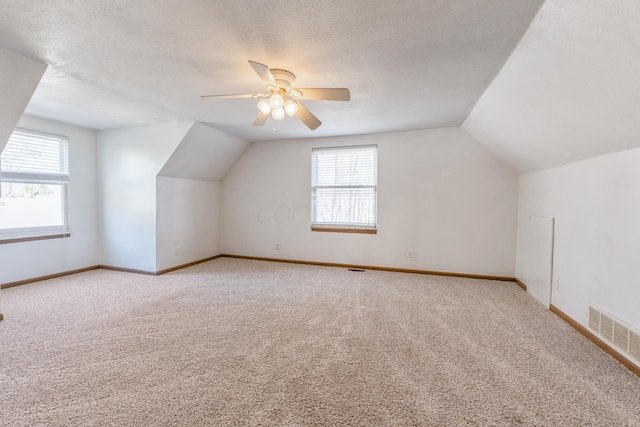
344,185
33,185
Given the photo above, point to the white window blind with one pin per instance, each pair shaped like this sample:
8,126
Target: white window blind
344,186
33,156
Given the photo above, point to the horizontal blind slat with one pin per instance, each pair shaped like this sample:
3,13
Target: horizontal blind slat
35,154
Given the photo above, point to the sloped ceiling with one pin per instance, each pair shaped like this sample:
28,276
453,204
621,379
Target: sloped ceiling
410,64
204,154
570,91
19,77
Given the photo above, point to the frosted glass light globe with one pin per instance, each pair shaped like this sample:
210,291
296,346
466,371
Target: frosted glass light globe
278,113
290,107
276,101
264,106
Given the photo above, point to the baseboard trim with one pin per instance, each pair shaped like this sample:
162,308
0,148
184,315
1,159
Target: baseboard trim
370,267
597,341
189,264
159,272
521,284
106,267
126,270
289,261
47,277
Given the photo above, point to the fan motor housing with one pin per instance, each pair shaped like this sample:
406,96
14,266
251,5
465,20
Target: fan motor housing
284,78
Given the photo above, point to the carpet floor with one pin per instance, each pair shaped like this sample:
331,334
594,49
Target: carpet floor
235,342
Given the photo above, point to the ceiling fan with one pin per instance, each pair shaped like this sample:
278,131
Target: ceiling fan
283,100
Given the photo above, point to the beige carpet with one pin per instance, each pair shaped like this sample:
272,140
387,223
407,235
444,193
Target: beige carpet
237,342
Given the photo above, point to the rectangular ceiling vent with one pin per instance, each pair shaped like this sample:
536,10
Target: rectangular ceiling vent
619,334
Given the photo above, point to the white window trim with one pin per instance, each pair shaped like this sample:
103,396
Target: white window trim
345,227
18,234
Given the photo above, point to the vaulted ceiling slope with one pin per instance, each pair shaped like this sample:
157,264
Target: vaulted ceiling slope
410,64
204,154
570,91
19,77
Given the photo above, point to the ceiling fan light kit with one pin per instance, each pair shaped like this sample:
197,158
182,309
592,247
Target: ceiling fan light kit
283,100
278,107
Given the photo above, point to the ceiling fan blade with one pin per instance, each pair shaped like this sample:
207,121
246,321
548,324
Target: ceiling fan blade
325,94
260,120
265,75
238,95
307,118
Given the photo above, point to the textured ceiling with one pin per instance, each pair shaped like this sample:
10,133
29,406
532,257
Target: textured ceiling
409,64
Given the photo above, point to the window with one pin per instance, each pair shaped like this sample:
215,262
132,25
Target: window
33,186
344,189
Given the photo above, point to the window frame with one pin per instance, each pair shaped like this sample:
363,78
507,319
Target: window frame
344,227
23,234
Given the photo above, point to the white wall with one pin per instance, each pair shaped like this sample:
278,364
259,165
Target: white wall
20,261
188,217
128,161
440,194
596,204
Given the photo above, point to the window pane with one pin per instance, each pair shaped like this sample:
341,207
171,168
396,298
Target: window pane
353,206
344,184
25,205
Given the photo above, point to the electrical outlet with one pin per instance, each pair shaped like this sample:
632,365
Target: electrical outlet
409,253
177,250
277,246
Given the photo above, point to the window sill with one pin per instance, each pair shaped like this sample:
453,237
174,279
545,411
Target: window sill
33,238
345,230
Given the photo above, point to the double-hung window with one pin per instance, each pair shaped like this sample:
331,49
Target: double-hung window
344,188
33,186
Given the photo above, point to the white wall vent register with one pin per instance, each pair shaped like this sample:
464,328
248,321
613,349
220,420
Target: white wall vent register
622,336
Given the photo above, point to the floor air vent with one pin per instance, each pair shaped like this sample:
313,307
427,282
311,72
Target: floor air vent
622,336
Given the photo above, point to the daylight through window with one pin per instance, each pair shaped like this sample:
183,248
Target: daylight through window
33,185
344,185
